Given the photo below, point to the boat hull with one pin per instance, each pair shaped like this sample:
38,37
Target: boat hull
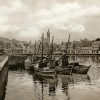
81,69
45,73
63,71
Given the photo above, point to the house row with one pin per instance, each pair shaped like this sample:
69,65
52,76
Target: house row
76,48
93,49
16,47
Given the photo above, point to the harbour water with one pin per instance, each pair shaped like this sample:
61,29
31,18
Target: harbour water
23,85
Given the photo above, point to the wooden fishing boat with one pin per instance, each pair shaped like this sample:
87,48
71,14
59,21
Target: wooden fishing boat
80,68
73,68
70,68
44,72
63,70
43,67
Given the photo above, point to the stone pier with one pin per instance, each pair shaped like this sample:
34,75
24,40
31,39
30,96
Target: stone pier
3,76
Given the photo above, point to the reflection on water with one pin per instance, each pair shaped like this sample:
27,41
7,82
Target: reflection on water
23,85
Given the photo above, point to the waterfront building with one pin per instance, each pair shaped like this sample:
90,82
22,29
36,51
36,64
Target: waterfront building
80,47
16,48
71,48
19,47
26,47
77,50
85,43
86,50
63,47
96,47
57,48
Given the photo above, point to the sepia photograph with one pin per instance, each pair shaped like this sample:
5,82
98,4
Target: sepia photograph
49,49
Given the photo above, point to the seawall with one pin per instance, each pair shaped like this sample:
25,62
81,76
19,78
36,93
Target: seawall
3,77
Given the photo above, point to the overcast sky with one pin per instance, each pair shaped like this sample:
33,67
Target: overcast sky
27,19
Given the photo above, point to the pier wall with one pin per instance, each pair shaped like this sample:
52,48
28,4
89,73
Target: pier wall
16,62
3,77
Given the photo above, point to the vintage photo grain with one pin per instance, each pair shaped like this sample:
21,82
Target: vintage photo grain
49,49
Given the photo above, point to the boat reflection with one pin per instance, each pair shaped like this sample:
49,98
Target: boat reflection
51,81
65,86
51,84
27,86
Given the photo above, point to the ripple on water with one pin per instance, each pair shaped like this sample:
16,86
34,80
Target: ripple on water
24,86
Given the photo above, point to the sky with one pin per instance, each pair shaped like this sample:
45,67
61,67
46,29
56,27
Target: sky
28,19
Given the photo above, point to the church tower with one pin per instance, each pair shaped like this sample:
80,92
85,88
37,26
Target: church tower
48,37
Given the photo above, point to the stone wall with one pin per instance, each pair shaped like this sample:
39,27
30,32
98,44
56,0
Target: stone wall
3,77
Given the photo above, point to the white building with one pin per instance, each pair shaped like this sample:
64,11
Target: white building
96,47
86,50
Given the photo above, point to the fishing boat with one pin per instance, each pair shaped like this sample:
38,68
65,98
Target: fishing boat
80,68
44,72
64,70
69,68
44,67
76,69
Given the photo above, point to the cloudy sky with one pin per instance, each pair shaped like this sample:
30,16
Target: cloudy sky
27,19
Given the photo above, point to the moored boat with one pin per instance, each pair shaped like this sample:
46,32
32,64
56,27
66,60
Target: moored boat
63,70
44,67
70,68
81,69
44,72
75,68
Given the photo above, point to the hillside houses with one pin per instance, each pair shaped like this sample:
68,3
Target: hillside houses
82,47
15,47
19,47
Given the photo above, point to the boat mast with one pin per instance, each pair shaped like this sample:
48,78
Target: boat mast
67,46
66,50
39,48
52,47
35,49
42,45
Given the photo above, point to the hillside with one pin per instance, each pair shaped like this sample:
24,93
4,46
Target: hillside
4,39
